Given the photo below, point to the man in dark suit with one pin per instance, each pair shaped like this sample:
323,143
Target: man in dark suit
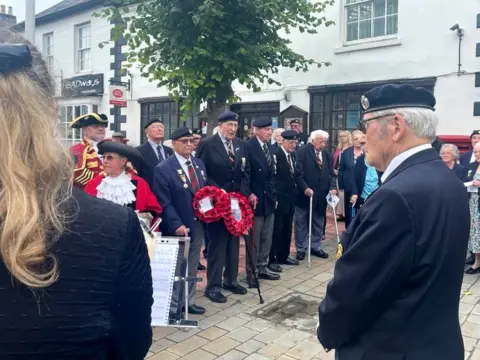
285,188
467,158
296,125
153,151
225,157
315,178
177,179
262,182
395,290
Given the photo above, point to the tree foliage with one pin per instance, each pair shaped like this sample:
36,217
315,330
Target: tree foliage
198,48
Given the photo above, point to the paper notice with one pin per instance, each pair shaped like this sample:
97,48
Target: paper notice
205,205
237,214
470,187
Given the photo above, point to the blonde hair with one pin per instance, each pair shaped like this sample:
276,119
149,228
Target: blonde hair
35,172
357,132
349,142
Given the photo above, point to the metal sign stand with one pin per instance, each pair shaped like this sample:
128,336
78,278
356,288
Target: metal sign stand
186,322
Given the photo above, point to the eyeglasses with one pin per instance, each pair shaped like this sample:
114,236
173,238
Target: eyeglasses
362,124
111,157
186,141
156,127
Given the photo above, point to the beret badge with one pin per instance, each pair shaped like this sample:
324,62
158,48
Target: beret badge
365,102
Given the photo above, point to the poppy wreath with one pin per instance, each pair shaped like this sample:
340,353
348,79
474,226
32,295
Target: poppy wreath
220,202
239,228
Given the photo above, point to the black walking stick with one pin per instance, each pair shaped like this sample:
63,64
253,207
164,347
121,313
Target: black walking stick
254,268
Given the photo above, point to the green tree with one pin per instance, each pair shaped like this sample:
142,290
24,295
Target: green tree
198,48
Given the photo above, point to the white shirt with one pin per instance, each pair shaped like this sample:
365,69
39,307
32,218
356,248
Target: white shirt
400,158
224,142
261,143
155,146
183,164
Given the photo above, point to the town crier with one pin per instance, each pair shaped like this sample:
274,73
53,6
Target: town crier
88,164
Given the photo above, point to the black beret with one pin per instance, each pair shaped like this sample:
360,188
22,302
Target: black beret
197,131
392,96
89,119
132,154
475,132
228,116
294,121
152,122
119,134
262,122
181,132
289,135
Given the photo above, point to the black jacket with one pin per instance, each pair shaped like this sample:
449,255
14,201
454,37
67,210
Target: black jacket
101,304
309,175
285,185
219,170
396,288
346,171
262,177
360,173
147,170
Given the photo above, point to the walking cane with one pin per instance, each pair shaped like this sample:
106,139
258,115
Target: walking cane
310,232
335,221
254,268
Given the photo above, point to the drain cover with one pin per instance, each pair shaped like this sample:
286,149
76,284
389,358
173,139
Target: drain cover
295,310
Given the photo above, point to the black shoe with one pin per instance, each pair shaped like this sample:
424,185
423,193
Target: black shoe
265,273
300,255
216,297
472,271
275,267
320,253
470,260
175,317
195,310
291,261
340,218
201,267
236,289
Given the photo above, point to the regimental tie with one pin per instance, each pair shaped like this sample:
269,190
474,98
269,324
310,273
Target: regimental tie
193,176
290,165
159,153
231,155
266,152
319,159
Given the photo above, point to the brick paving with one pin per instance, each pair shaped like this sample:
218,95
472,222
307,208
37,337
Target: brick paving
239,329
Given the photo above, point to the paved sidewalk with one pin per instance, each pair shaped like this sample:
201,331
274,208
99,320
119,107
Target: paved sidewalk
283,327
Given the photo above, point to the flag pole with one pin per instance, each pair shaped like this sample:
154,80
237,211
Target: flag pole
30,20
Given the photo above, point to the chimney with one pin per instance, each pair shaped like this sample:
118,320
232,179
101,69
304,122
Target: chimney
7,19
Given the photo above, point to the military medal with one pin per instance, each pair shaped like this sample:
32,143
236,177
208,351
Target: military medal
185,186
183,178
244,163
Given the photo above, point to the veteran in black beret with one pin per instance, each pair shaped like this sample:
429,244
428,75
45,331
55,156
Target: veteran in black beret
264,200
177,180
153,150
88,162
467,158
396,284
226,160
296,125
197,136
286,190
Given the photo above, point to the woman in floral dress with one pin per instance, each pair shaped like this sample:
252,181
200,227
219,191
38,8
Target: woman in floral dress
473,174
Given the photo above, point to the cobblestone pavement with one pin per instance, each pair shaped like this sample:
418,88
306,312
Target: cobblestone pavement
283,327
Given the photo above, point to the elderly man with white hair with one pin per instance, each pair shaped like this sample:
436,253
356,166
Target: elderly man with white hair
315,178
396,284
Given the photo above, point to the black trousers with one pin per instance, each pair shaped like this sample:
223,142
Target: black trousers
223,252
281,238
348,208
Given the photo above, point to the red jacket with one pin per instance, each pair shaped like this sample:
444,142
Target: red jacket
87,163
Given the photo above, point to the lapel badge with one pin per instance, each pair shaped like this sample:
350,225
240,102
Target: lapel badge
203,174
237,149
365,103
180,171
469,173
185,186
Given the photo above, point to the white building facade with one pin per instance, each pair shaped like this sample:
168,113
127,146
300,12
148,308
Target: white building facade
373,42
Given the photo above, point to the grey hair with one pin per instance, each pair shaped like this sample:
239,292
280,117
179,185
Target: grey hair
278,131
453,148
422,122
317,133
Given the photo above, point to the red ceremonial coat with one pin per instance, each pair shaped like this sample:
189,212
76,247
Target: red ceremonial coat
87,163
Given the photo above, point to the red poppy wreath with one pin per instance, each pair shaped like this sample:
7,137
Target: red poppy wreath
215,200
239,219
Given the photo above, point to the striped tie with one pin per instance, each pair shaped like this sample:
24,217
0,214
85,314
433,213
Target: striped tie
319,159
266,152
193,176
231,155
290,163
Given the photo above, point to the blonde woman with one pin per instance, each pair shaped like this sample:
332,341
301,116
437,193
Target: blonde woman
75,279
344,141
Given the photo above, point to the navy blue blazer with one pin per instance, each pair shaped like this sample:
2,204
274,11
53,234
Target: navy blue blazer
176,200
460,171
346,171
395,290
147,170
465,159
262,177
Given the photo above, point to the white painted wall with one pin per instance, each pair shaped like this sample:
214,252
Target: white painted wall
424,47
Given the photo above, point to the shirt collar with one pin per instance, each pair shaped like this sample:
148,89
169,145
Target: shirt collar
285,151
261,143
400,158
154,144
222,138
182,160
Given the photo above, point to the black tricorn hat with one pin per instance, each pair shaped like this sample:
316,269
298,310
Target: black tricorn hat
89,119
132,154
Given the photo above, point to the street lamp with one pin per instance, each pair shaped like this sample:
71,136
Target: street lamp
30,20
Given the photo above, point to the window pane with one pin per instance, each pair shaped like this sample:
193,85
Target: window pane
379,27
353,101
339,101
352,32
69,113
338,120
352,13
392,7
378,8
317,121
84,110
318,103
392,24
365,29
62,114
353,118
365,12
